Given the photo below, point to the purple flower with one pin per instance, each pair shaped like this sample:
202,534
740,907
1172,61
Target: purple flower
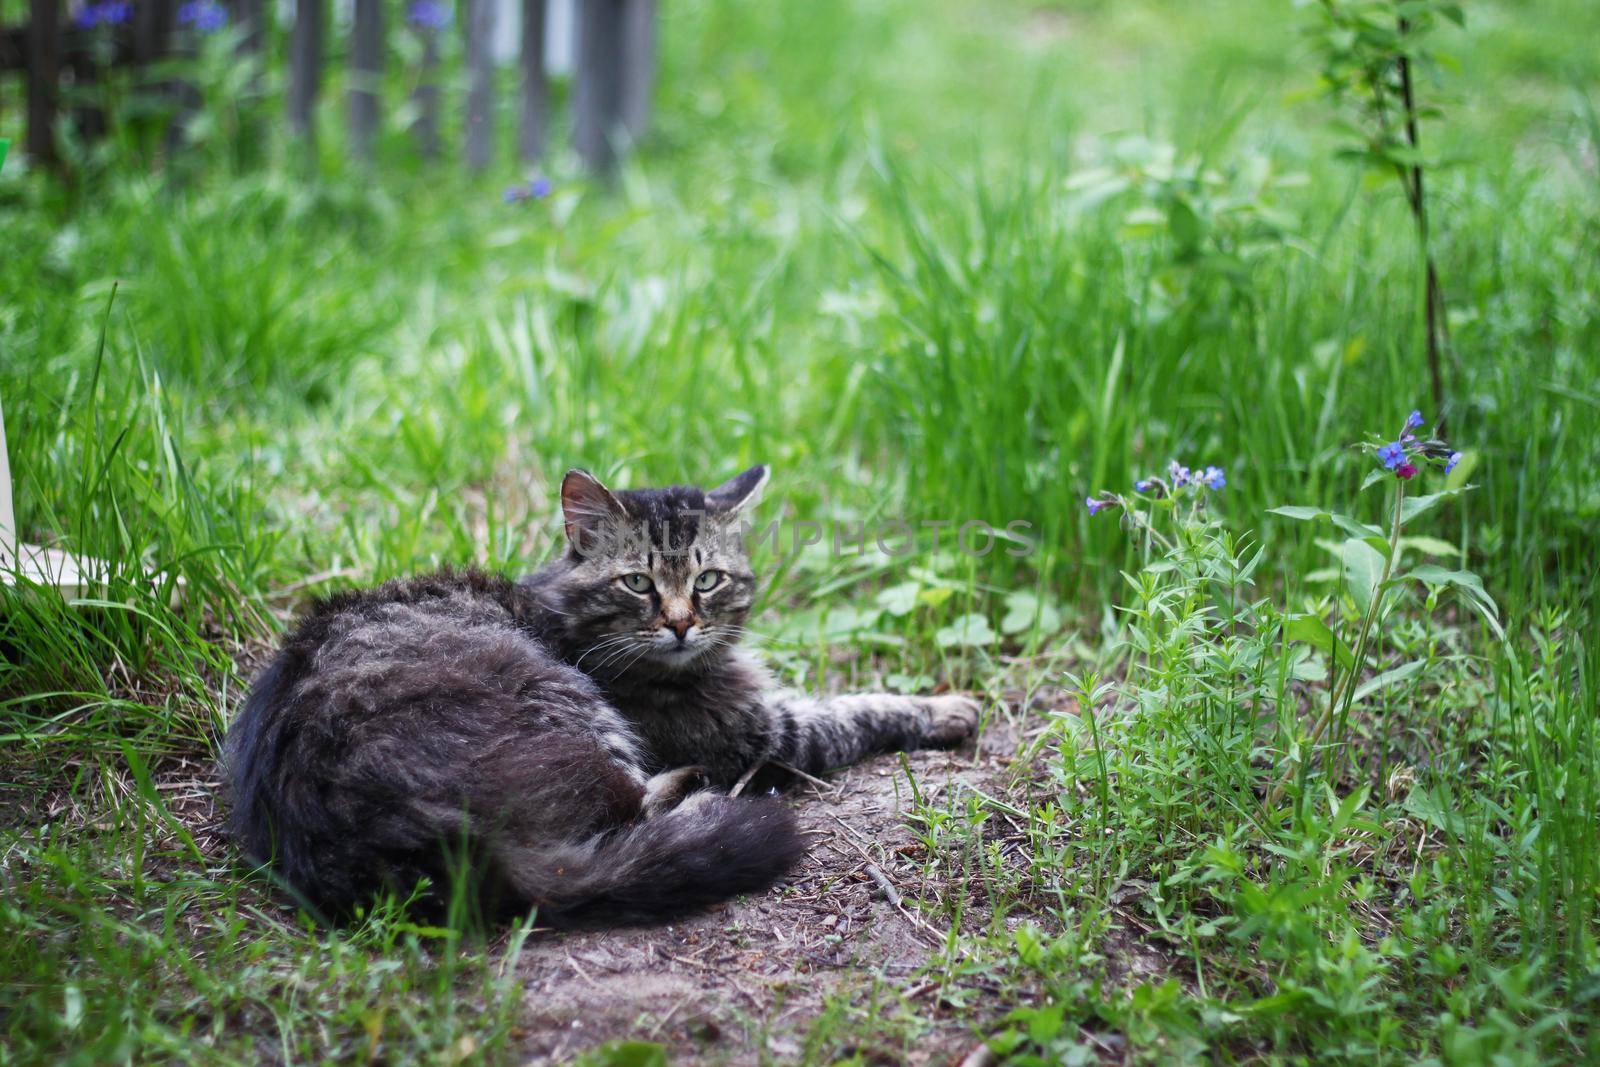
1179,475
1213,478
1095,505
106,13
1414,420
1144,485
1392,454
532,189
428,14
206,16
1450,464
1405,472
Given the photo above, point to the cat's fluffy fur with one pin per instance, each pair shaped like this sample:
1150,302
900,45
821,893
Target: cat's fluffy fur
551,732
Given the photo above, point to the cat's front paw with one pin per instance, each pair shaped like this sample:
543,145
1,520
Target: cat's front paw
952,718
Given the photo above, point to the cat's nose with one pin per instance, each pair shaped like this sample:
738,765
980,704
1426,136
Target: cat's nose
681,627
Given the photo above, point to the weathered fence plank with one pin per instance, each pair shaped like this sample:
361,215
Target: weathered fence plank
305,66
597,92
252,15
480,83
153,21
44,76
614,41
638,66
425,97
535,88
366,71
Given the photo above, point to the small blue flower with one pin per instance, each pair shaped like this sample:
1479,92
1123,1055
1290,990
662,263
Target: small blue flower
1095,505
1392,454
1214,478
206,16
428,15
1144,485
106,13
1414,420
1179,475
1450,464
532,189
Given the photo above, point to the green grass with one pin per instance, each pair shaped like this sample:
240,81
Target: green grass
906,254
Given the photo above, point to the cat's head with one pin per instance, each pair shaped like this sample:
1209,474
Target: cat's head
655,577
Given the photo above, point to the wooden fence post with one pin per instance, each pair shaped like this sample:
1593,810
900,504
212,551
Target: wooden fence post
535,93
597,93
253,21
480,83
153,21
88,121
305,67
638,66
44,73
426,96
366,72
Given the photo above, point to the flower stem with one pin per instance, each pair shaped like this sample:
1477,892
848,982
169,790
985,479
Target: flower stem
1342,693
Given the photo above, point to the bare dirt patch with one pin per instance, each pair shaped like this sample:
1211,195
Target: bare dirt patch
748,978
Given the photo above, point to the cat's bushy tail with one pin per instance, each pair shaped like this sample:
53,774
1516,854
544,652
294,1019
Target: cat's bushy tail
707,849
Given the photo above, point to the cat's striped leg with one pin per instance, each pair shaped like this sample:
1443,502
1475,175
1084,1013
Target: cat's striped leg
816,734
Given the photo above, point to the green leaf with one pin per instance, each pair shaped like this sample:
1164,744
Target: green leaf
1434,807
908,683
1024,610
1420,505
1385,679
1344,522
967,631
1471,587
1311,630
625,1054
1346,810
843,620
1046,1023
1187,229
1431,546
1457,479
899,600
1363,570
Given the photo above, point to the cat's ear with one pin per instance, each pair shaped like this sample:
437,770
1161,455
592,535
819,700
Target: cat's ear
588,509
739,492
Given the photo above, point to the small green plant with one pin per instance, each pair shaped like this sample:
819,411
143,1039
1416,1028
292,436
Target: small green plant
1370,52
1369,558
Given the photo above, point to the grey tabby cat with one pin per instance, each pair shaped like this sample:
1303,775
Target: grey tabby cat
557,728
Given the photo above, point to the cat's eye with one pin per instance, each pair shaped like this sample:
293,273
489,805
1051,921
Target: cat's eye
637,583
706,581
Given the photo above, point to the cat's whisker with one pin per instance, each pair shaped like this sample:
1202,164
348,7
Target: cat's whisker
612,654
622,650
644,648
605,642
606,650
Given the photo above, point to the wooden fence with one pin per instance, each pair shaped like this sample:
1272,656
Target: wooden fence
614,48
